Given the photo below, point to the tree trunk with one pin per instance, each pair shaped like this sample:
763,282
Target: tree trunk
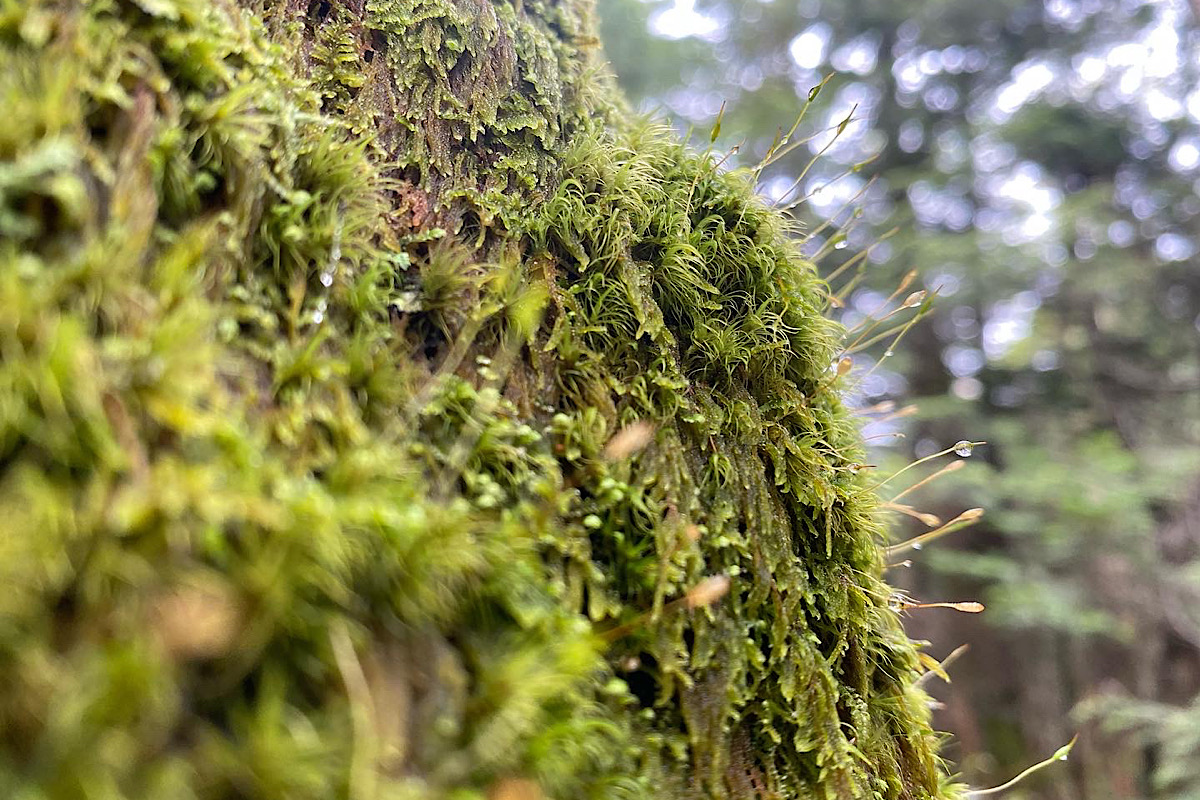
384,413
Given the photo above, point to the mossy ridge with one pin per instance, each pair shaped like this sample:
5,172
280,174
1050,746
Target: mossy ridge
214,402
680,299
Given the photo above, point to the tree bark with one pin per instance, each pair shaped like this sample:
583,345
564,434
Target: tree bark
386,413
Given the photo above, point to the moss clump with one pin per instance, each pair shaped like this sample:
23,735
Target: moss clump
469,103
305,498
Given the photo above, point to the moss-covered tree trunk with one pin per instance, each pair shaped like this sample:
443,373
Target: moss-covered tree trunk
385,413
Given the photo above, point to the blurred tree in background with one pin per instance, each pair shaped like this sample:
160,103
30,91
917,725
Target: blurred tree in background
1038,162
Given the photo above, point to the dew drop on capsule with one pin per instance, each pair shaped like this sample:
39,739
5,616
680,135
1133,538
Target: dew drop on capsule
964,449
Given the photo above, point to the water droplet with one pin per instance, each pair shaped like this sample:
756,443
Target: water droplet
318,317
840,246
327,279
917,545
964,448
889,353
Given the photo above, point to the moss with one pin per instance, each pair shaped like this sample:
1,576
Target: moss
307,497
469,103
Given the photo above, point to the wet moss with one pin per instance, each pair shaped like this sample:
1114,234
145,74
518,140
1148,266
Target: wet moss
376,404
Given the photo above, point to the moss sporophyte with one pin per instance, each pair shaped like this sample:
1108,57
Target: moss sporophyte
365,367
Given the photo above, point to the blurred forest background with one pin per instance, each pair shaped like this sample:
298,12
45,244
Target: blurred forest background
1040,162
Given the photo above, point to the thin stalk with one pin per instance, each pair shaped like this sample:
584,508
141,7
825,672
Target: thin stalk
953,466
841,126
860,256
921,461
907,411
921,311
809,236
941,668
851,170
774,153
928,520
857,344
884,407
1059,755
963,520
966,606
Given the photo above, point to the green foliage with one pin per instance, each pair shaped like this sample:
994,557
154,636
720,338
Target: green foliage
299,504
1071,139
1172,732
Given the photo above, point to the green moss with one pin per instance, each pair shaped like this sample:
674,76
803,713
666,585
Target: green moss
680,299
468,103
306,498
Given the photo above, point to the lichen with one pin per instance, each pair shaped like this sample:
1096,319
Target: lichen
307,497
